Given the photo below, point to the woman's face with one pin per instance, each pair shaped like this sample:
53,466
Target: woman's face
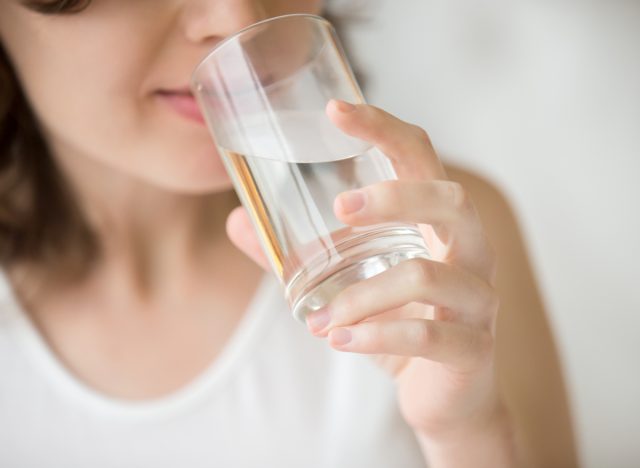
108,83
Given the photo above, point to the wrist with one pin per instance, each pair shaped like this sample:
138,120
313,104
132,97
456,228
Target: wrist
486,440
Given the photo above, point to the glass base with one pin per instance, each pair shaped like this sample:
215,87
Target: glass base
364,257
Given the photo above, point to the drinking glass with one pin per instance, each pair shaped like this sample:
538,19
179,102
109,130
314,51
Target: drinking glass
263,93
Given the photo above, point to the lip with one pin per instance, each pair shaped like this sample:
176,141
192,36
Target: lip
183,103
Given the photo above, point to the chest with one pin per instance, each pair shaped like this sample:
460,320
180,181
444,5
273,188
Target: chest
137,353
339,413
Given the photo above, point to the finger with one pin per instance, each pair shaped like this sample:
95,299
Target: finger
241,232
432,202
469,298
406,145
455,344
443,204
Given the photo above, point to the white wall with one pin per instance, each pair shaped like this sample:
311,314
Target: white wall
543,98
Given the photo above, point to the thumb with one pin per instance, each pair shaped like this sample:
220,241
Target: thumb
243,235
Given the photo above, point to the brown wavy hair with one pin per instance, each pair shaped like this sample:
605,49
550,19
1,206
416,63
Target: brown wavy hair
40,222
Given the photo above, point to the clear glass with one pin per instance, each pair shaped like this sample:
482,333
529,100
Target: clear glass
263,92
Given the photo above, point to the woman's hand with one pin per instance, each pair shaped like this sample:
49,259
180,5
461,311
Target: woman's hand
430,323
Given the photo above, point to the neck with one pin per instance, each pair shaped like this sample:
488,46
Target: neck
148,236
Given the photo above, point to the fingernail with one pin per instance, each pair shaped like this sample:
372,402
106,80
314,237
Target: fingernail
352,201
318,320
344,106
340,337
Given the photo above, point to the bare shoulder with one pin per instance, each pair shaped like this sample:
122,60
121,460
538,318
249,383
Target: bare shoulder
529,368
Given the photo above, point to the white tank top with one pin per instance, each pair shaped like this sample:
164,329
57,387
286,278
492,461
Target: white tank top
275,397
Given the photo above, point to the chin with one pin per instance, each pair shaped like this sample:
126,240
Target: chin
198,174
179,180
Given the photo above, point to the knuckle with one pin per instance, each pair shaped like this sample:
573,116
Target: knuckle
489,249
478,349
492,253
458,196
376,118
420,271
483,346
377,131
421,134
373,337
389,198
422,336
491,260
348,303
489,300
492,302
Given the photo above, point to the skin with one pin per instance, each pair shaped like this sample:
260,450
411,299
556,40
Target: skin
153,188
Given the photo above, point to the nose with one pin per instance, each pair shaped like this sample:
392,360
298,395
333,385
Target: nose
212,20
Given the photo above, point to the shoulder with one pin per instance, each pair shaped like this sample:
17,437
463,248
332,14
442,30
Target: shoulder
12,318
7,300
527,357
10,325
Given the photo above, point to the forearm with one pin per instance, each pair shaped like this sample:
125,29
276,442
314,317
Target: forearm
490,445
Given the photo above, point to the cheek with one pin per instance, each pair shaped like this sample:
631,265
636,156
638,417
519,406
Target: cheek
130,133
91,103
164,149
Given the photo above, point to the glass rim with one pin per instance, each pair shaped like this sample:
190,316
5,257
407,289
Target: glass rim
235,35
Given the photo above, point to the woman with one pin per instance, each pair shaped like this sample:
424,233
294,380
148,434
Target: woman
122,286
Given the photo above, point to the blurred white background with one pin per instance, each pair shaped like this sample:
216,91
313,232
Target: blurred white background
543,99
